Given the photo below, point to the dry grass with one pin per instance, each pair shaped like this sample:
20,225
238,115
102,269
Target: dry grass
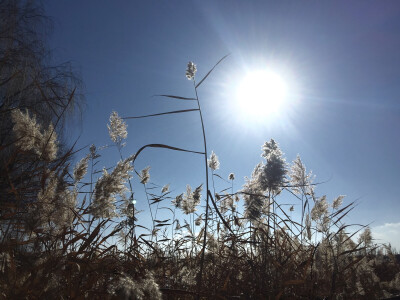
67,235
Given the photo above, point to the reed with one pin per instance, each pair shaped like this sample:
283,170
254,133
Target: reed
78,235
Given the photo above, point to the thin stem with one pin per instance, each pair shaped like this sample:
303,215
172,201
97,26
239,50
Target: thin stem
131,197
151,213
199,282
212,213
91,194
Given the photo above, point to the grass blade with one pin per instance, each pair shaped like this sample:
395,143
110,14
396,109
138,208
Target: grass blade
209,72
164,113
175,97
219,214
163,146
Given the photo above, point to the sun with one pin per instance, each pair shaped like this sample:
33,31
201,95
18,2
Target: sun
261,93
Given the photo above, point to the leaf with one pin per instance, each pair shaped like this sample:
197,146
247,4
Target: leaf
162,146
209,72
164,224
94,233
113,233
148,244
352,250
137,225
107,250
175,97
164,113
221,177
76,238
224,190
144,234
167,208
219,214
357,260
162,221
164,240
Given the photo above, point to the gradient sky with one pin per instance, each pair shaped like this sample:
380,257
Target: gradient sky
341,60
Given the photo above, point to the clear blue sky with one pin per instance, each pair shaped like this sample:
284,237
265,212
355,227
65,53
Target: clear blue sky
341,60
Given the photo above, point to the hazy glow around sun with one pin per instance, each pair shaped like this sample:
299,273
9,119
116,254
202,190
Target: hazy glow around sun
261,93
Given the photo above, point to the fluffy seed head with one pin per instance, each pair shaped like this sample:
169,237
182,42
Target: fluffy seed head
213,162
165,188
93,152
198,220
253,200
191,199
271,176
338,202
191,70
320,209
56,202
81,168
49,144
299,179
108,187
29,136
145,175
145,288
197,194
177,202
366,237
117,128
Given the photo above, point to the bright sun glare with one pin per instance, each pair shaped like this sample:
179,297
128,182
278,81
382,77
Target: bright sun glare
261,93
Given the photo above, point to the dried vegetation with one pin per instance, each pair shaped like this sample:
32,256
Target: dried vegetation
74,232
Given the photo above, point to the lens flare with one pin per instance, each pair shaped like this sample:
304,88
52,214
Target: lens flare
261,93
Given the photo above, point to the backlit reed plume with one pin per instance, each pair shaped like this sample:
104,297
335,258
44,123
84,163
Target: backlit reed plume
253,195
56,202
198,220
80,168
191,70
191,199
145,175
107,187
272,174
213,162
165,189
320,209
365,237
338,201
117,129
299,179
145,288
177,202
29,136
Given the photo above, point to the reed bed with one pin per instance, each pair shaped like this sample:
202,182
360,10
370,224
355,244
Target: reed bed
72,232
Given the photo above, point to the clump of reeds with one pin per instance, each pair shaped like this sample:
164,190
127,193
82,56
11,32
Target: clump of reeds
76,233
